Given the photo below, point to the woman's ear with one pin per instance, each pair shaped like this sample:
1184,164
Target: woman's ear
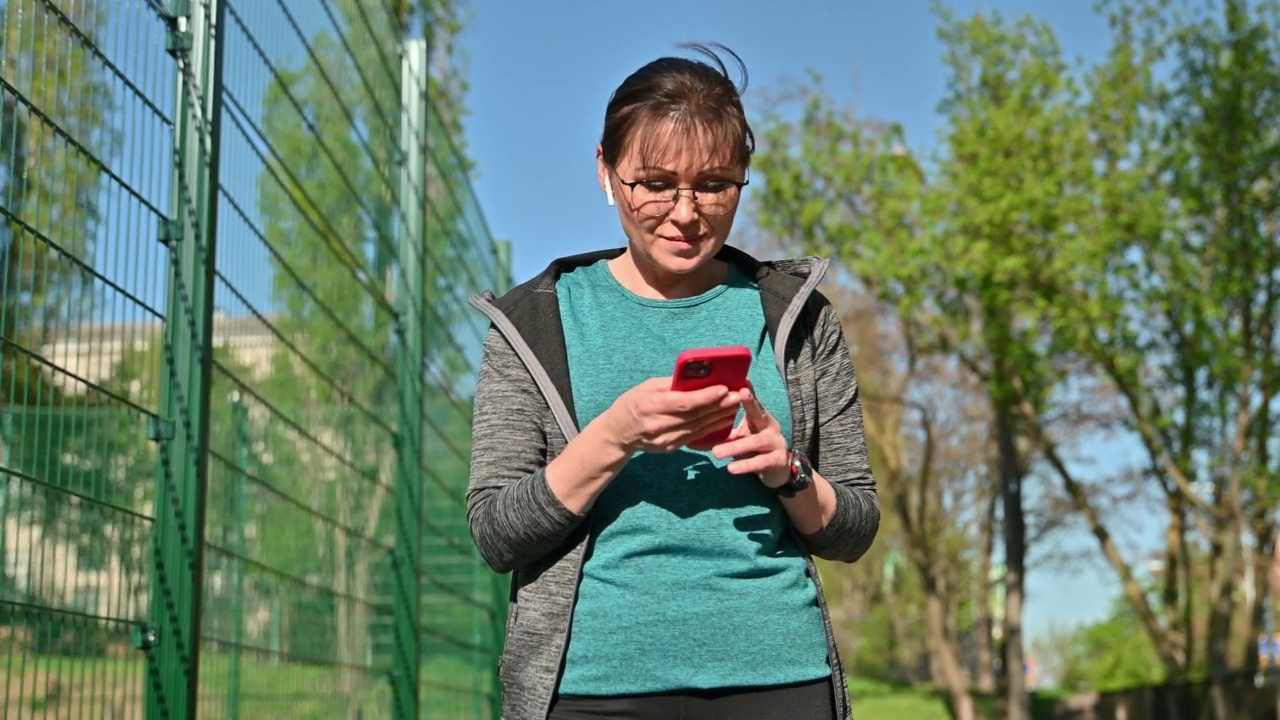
604,175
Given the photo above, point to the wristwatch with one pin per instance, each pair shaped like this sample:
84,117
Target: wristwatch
801,476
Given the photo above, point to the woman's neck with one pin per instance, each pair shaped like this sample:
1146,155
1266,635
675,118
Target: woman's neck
648,281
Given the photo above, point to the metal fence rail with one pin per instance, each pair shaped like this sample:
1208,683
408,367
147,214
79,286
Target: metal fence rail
236,367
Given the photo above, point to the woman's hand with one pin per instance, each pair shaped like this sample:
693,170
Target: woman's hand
651,417
757,444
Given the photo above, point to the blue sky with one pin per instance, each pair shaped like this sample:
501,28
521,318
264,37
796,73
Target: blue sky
541,74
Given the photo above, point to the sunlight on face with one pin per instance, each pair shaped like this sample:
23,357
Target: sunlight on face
657,177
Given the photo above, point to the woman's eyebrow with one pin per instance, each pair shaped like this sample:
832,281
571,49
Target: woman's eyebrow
669,171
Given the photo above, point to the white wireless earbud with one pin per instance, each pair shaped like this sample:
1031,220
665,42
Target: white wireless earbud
608,190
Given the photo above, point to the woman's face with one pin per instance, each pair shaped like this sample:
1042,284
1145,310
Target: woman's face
674,238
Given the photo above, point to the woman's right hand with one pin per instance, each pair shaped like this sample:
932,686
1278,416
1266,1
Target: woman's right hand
651,417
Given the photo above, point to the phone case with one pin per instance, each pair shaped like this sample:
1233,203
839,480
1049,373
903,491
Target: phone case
698,368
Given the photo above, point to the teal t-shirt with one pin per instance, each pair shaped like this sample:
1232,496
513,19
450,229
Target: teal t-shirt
692,579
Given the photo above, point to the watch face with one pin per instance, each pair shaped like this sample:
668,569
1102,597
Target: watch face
801,468
801,475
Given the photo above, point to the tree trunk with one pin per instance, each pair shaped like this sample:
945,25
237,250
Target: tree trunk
1162,637
1260,561
1018,703
900,655
1223,562
358,637
344,607
986,670
946,659
1177,580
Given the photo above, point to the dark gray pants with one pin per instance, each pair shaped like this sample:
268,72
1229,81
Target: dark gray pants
810,701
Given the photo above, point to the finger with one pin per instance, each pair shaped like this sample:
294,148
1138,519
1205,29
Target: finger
756,414
742,430
686,401
753,444
713,422
754,465
657,383
667,427
727,405
692,432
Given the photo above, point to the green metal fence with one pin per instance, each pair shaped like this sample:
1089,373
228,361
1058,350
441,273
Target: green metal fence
236,367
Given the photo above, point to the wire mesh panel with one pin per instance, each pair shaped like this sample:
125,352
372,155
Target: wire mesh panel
462,622
86,91
338,557
237,367
301,494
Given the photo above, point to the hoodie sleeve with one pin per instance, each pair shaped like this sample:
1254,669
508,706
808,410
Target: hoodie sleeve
840,447
514,517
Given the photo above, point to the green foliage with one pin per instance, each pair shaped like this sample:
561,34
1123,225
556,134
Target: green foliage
330,414
1085,234
968,251
56,117
311,419
1111,654
49,219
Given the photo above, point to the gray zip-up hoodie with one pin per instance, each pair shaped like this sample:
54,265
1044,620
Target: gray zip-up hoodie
524,417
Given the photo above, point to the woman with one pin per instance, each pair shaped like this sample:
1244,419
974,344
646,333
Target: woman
652,580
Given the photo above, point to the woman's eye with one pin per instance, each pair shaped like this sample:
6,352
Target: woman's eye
655,186
713,186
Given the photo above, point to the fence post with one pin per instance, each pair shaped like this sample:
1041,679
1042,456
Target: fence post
172,640
6,463
239,519
406,673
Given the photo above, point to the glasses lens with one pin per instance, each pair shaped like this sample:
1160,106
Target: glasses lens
657,203
654,203
716,204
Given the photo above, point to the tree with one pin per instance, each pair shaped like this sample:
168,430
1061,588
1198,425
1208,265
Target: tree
329,207
1089,656
1223,179
54,137
958,257
924,425
330,204
1098,247
1172,300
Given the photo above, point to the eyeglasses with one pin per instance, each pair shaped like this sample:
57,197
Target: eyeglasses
656,198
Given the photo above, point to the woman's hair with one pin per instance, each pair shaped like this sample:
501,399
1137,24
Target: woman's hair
678,97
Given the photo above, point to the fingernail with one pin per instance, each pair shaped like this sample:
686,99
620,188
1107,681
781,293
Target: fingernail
735,397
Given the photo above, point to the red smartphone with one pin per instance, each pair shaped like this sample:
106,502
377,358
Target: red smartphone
698,368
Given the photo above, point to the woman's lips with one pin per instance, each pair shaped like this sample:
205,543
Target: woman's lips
683,239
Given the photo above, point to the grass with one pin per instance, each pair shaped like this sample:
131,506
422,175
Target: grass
874,700
60,688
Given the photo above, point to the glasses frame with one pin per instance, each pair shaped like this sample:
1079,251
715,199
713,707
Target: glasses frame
675,200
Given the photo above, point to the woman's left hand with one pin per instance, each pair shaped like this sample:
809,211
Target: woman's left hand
756,444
